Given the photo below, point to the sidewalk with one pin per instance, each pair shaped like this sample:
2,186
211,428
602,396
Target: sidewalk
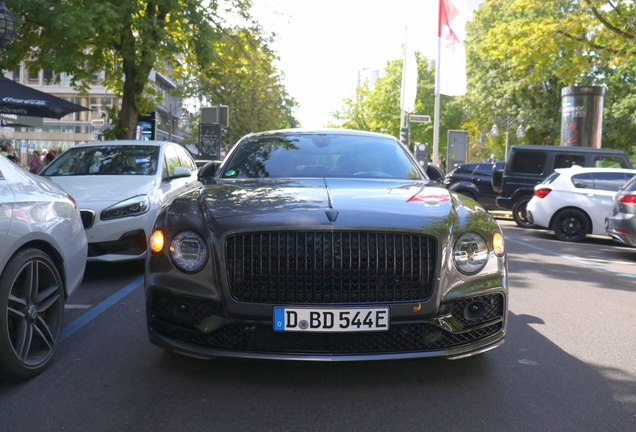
501,214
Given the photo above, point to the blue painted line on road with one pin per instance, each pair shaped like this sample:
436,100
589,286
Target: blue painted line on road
100,308
607,269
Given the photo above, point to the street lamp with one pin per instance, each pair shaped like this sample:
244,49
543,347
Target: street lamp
508,123
7,25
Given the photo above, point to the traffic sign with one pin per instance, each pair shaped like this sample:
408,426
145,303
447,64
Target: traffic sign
419,118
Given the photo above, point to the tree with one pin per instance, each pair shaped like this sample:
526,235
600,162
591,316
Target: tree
245,79
124,38
378,109
521,53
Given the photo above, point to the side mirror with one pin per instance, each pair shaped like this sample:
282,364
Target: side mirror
434,173
180,172
208,170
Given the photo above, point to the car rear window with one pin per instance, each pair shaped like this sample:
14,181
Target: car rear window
527,162
552,177
631,185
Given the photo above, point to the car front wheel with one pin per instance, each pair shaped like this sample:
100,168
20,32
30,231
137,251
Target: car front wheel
519,213
31,313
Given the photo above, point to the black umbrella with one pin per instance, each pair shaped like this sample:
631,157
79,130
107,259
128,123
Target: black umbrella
22,100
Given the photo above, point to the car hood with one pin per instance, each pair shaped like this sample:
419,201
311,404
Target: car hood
105,188
335,202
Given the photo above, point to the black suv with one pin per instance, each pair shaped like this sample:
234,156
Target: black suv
475,181
528,165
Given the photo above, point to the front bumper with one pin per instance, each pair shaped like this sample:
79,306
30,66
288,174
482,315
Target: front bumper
201,329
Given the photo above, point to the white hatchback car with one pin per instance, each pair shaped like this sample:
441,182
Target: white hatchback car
575,201
120,186
42,260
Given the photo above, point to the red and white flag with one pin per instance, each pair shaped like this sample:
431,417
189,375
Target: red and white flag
452,54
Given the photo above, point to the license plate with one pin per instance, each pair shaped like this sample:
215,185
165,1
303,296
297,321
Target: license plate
331,320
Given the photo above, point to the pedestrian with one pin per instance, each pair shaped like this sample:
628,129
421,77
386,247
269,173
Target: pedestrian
43,155
35,163
49,157
8,151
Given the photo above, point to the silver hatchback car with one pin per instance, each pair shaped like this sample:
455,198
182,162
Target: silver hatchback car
42,260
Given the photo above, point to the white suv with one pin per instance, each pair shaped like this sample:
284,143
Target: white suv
575,201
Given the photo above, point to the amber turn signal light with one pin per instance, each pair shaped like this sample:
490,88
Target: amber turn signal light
156,241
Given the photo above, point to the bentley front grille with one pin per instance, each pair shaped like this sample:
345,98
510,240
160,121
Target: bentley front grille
330,267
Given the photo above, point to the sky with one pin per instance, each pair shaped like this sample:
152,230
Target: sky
322,45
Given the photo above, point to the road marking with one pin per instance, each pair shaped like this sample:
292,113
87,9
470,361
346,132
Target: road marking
528,362
577,260
77,306
98,309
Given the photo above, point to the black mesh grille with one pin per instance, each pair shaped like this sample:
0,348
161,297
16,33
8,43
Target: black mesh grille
492,308
330,267
262,338
88,217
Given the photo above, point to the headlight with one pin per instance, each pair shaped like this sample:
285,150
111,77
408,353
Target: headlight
470,253
134,206
188,251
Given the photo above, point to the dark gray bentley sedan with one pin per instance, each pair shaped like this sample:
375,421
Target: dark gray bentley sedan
325,245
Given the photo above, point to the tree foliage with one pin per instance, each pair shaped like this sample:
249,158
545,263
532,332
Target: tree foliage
377,109
521,53
245,78
124,38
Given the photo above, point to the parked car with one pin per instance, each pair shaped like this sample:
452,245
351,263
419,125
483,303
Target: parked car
621,224
576,201
325,245
120,186
42,259
475,181
528,165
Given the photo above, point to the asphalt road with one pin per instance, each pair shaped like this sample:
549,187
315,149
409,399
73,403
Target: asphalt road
568,364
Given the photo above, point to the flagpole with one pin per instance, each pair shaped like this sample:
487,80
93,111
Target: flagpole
437,82
403,89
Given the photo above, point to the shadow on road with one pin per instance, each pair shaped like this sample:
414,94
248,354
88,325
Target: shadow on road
109,377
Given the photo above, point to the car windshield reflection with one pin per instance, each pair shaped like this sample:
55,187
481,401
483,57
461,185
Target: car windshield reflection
105,160
320,156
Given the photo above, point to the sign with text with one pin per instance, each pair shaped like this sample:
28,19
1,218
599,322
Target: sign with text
209,141
419,118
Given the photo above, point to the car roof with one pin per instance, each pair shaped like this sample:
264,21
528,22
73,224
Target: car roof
565,149
324,131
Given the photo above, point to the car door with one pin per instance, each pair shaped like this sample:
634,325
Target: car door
598,197
482,179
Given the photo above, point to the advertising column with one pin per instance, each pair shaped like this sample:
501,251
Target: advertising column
582,116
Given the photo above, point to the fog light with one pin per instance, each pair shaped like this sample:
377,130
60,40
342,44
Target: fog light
184,310
474,310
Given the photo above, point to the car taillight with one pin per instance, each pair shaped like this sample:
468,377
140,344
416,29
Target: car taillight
542,193
629,200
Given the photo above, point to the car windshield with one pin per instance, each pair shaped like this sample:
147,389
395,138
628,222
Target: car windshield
105,160
324,155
